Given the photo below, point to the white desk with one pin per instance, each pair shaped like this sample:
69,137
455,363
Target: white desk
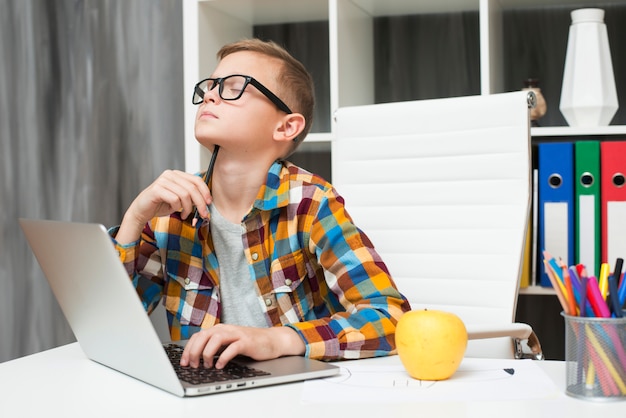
63,382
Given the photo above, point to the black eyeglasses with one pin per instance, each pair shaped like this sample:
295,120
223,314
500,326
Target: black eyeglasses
232,87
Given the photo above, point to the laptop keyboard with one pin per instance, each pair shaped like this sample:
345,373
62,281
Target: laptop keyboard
200,375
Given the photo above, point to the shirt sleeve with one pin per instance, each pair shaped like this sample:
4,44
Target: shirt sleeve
360,281
142,262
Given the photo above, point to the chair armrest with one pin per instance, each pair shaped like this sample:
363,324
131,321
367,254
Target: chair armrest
514,330
518,331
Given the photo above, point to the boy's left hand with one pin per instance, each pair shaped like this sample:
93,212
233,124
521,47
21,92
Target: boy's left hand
233,340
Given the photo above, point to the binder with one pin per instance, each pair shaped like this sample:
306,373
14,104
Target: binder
535,256
587,241
556,202
613,197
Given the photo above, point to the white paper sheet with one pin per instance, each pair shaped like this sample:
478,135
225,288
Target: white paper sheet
475,380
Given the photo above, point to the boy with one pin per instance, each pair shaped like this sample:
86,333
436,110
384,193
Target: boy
275,266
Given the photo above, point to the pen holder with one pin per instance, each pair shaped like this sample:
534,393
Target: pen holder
595,357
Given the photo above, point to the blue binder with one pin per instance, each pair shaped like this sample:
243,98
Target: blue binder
556,203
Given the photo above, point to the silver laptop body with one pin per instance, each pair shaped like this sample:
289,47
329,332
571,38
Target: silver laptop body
109,321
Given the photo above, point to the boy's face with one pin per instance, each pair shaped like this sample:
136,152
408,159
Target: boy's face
248,122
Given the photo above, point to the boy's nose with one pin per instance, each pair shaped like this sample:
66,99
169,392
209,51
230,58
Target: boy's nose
212,95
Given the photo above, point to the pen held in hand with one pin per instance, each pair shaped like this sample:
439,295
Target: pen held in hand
207,181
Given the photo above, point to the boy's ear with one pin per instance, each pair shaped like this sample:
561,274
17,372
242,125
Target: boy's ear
289,127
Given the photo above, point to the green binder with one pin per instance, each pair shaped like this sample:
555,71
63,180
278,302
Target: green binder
587,239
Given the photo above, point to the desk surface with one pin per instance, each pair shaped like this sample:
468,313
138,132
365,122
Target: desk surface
63,382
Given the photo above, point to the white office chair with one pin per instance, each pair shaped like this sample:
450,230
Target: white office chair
442,188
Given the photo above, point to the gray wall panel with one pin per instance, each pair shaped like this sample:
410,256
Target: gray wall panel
90,113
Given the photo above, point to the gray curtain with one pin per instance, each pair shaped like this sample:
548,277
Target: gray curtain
91,111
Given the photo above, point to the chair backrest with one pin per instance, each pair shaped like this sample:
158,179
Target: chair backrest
442,188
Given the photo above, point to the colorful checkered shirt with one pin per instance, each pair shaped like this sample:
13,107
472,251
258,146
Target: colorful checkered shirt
314,270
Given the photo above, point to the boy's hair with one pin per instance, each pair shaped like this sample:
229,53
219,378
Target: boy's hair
296,84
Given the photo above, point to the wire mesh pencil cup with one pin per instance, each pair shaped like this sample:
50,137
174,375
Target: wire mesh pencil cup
595,355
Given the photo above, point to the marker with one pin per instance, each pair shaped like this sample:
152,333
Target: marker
603,280
584,301
600,309
616,307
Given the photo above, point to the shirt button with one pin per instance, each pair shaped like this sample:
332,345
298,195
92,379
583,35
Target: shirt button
268,302
187,281
288,282
255,256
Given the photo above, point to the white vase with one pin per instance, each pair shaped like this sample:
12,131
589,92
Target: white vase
588,94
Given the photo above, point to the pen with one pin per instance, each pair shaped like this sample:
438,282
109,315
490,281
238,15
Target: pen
207,181
580,293
584,302
579,269
617,271
606,361
621,293
616,307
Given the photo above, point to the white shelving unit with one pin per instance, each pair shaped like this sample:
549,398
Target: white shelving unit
209,24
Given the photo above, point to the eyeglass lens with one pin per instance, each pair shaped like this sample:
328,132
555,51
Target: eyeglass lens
230,88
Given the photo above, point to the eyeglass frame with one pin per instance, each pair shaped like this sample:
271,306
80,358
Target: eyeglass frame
249,80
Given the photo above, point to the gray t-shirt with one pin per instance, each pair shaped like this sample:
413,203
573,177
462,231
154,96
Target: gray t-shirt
240,302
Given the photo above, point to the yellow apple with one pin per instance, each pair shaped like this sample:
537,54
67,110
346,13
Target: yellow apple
431,343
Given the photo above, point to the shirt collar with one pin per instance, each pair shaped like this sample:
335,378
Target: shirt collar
275,192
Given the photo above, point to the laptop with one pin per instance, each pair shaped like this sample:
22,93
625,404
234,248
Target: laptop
111,325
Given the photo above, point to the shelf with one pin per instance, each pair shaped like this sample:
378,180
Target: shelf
536,290
408,7
572,131
266,12
352,46
316,142
574,4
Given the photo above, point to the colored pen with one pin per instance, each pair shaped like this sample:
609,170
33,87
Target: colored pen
617,270
621,292
606,361
584,301
207,181
579,287
580,268
616,307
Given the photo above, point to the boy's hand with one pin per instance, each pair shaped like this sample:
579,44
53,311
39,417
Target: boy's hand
172,191
256,343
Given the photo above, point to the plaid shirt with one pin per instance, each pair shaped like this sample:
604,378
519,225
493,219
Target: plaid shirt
314,270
